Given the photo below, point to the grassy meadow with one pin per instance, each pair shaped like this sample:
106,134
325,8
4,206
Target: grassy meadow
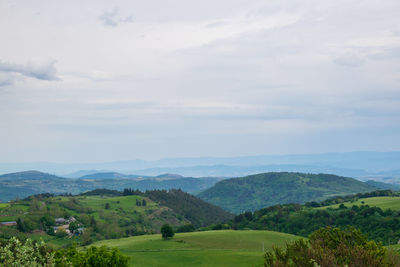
210,248
381,202
3,205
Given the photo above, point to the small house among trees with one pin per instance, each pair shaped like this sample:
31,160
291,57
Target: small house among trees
12,223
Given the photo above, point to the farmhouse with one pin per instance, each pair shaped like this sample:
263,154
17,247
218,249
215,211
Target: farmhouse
8,223
62,221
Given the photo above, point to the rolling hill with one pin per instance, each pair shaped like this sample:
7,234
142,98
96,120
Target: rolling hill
364,165
258,191
383,202
375,214
382,185
109,214
105,175
209,248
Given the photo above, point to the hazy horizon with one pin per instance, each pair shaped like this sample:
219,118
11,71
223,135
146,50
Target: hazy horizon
201,157
361,165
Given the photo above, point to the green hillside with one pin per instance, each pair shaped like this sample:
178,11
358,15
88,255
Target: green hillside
105,216
392,202
198,212
381,185
378,216
257,191
210,248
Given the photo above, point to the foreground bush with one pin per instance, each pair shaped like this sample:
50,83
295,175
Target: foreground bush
15,253
329,247
92,257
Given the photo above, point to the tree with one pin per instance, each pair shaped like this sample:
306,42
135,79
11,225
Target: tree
46,222
25,225
21,225
167,232
332,247
87,236
185,228
93,224
61,232
74,226
107,206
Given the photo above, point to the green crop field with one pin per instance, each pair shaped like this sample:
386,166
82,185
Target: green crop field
381,202
210,248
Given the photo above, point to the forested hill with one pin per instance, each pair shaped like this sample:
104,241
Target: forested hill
375,213
262,190
29,175
197,211
106,214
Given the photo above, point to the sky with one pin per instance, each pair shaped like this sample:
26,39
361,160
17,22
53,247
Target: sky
93,81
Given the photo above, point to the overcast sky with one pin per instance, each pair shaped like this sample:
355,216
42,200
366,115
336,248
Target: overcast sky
111,80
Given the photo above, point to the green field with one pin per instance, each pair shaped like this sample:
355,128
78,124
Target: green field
395,247
125,202
381,202
210,248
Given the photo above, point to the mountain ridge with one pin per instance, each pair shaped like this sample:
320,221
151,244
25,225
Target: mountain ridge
23,184
363,165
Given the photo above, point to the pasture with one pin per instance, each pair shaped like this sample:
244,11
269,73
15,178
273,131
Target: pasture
209,248
381,202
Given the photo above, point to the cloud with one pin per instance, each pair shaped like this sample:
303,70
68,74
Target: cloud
113,19
38,70
6,81
349,60
190,74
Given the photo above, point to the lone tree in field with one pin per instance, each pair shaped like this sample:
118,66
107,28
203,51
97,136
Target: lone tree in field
166,231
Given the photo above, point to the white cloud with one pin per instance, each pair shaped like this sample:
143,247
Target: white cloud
113,18
349,60
37,70
270,74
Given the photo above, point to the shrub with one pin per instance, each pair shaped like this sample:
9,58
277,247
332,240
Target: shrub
328,247
185,228
28,253
61,232
92,257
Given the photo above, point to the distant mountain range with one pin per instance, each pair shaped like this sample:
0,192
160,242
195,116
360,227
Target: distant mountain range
234,195
379,166
108,175
23,184
254,192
